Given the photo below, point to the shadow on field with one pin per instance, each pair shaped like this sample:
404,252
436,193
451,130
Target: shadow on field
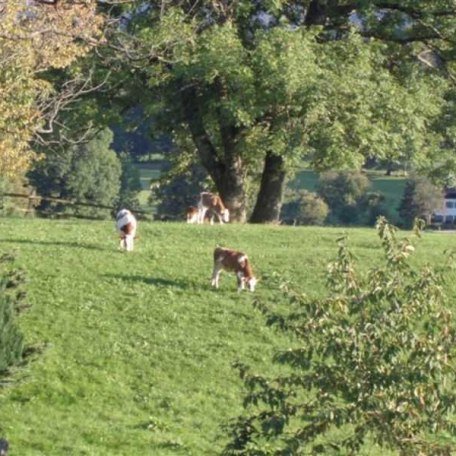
157,281
81,245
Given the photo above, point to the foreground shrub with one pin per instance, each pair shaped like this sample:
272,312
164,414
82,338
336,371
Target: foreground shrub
373,363
11,297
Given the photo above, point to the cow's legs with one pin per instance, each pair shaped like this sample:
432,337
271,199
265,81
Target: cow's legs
220,219
216,275
129,240
201,214
240,281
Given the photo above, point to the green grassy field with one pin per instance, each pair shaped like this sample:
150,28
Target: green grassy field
137,348
148,173
392,187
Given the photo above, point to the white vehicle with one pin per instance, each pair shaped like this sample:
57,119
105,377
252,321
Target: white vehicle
446,215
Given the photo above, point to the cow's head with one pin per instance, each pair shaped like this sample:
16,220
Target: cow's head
226,215
251,282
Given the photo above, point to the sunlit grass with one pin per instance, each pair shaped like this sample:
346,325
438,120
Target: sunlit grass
137,348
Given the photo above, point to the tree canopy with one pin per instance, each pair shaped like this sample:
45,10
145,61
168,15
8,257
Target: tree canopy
258,86
254,87
36,37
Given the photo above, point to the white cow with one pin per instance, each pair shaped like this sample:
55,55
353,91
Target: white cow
126,226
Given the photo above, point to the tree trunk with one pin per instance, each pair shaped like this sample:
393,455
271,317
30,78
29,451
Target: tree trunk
232,190
269,200
227,172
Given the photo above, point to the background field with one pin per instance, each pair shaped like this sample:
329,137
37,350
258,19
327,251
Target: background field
392,187
137,348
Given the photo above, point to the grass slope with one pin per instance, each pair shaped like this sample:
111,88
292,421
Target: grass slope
137,348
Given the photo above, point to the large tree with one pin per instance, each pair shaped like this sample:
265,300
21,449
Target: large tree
36,37
259,85
89,172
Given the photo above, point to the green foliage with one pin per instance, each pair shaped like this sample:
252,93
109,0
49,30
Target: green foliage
11,298
89,172
130,183
372,362
307,209
14,206
373,205
420,199
304,83
179,187
343,191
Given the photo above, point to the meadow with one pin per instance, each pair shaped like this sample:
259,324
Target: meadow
133,352
392,187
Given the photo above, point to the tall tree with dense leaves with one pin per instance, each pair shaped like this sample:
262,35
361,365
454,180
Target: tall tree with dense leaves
11,302
89,172
420,199
35,37
260,85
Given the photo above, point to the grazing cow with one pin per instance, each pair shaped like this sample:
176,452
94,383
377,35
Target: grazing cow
237,262
126,226
213,204
192,215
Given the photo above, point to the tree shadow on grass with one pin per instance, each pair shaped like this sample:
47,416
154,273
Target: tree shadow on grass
156,281
81,245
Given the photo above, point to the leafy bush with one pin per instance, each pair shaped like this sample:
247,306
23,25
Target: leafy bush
420,199
88,172
342,191
307,209
11,205
11,296
373,362
371,206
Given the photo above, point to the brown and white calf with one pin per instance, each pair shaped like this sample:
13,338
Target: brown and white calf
126,226
213,204
237,262
191,214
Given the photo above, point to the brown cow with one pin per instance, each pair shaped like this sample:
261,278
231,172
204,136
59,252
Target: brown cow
214,204
237,262
191,215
